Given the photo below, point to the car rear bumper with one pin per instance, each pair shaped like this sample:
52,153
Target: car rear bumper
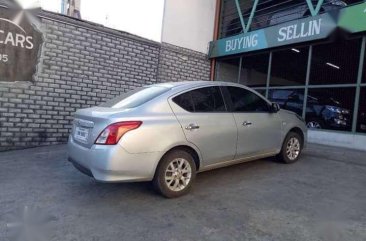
112,163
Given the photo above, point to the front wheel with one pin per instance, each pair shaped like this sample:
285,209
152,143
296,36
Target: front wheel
175,174
291,148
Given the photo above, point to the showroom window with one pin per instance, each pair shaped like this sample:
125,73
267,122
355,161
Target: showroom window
364,69
254,69
227,70
335,63
289,67
330,108
329,93
361,120
288,99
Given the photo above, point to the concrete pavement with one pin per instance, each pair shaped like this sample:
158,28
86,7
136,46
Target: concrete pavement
322,197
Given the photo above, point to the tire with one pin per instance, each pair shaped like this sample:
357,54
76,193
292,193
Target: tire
314,124
172,181
291,148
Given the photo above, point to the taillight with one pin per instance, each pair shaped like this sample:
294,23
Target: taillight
113,133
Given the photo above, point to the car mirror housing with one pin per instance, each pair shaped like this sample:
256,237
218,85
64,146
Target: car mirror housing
275,108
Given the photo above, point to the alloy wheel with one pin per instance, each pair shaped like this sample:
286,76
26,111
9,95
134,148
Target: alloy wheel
178,174
293,148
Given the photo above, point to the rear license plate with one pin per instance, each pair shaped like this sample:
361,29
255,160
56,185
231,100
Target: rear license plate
81,134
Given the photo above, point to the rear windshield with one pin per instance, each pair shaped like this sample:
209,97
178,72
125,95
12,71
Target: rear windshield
135,97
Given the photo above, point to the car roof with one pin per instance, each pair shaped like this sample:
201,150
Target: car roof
187,84
182,86
177,87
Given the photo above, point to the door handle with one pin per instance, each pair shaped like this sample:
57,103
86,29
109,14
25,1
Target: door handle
192,127
247,123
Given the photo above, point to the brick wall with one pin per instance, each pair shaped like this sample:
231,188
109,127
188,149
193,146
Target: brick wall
177,64
83,64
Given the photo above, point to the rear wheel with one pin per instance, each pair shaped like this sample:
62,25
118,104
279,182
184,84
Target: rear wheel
291,148
175,174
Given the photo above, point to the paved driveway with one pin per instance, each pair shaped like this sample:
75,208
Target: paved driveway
322,197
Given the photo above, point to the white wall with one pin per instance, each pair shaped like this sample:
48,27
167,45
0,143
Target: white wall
330,138
189,23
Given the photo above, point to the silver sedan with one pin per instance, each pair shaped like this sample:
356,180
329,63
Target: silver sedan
166,133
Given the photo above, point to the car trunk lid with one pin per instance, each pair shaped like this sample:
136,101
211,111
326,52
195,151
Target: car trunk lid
90,122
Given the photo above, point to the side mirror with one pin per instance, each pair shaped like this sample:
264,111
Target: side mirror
275,108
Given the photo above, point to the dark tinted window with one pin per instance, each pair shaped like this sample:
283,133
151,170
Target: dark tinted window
246,101
185,101
254,70
135,97
361,121
289,66
330,108
286,94
335,63
288,99
261,91
208,99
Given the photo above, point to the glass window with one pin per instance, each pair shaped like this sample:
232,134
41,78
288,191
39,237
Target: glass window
364,69
135,97
261,91
270,12
230,21
208,99
288,99
185,101
350,2
335,63
361,121
289,67
246,101
254,69
330,108
227,70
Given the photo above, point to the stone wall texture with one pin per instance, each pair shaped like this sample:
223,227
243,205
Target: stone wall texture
81,65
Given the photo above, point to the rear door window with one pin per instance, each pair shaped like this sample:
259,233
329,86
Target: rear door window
185,101
244,100
136,97
207,99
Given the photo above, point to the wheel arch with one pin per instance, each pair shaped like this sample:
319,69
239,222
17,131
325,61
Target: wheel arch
191,150
298,131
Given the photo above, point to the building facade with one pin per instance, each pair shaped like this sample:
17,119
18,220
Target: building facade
308,56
